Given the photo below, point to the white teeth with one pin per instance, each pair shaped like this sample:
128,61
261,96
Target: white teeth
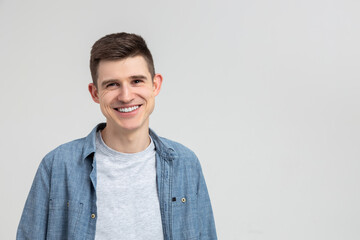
129,109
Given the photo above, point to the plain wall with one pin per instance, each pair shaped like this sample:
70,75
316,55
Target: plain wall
265,92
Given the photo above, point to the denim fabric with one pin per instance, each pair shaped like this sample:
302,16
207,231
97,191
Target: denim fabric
62,200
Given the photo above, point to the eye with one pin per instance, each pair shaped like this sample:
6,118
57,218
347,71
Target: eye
136,81
111,84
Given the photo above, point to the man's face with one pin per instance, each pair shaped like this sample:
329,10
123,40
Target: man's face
126,92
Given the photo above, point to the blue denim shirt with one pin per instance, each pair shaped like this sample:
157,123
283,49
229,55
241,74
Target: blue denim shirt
62,200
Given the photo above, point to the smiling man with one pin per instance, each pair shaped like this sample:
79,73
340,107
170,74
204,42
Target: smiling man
122,181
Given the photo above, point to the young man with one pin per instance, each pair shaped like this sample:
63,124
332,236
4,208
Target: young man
122,181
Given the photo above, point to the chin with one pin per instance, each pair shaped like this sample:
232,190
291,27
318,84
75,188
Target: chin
129,127
126,124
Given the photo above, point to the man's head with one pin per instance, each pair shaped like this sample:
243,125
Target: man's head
119,46
124,82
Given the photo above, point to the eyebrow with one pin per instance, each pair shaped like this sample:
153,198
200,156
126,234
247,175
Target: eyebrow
105,82
138,77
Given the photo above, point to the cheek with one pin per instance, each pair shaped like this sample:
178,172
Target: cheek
147,94
104,93
105,97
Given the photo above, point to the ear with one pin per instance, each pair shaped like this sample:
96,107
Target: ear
157,84
93,92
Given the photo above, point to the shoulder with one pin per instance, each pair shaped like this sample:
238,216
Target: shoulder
179,148
183,155
64,153
170,147
186,167
72,147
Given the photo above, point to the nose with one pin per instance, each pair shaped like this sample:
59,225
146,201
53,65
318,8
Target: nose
125,94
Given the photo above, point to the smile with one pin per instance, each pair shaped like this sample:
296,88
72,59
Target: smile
128,109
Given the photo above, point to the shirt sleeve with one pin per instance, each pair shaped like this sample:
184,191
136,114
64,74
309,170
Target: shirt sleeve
33,222
206,217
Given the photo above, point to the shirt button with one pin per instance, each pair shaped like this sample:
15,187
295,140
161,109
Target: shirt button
183,199
93,216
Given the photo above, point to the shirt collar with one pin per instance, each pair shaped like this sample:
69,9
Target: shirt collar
161,147
90,145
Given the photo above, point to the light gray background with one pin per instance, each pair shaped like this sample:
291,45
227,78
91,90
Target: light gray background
265,92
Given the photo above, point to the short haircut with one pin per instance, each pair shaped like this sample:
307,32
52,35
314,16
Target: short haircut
119,46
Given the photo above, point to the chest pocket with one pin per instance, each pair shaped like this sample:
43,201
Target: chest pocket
63,219
185,222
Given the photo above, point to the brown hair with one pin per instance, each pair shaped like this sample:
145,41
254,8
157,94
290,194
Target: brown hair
118,46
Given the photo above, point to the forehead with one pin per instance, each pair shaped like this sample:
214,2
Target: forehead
123,68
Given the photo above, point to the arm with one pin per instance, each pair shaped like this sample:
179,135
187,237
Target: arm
33,221
206,218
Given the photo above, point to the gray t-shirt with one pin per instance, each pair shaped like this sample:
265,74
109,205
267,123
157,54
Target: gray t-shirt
127,200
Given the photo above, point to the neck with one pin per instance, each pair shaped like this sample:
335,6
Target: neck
126,141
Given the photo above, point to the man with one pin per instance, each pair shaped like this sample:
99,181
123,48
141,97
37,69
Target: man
122,181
